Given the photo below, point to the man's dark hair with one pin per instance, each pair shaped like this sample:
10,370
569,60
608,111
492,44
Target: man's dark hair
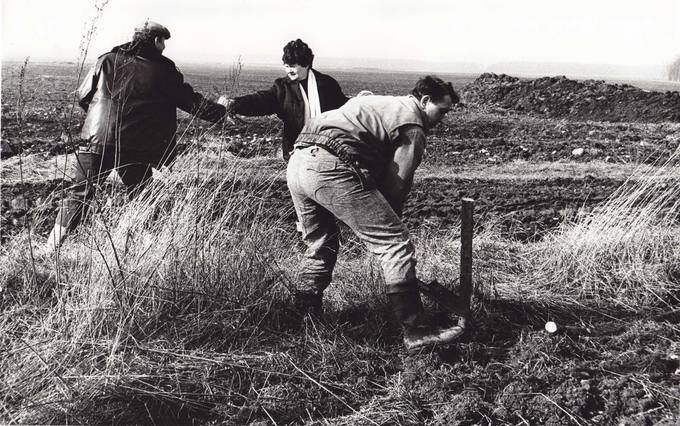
144,37
297,52
436,88
146,32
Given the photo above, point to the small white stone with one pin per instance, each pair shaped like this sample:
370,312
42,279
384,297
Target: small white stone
578,152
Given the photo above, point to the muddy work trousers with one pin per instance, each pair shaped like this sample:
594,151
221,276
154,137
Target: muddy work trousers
89,171
324,188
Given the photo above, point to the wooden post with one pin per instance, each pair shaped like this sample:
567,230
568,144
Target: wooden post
466,231
457,303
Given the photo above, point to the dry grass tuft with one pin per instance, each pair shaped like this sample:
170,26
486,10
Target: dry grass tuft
186,248
625,252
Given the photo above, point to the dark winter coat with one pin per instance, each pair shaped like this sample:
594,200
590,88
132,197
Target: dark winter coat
131,96
285,100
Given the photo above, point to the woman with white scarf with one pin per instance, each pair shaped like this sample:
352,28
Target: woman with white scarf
304,93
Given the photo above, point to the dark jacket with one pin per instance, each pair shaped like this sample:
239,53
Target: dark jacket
285,100
131,97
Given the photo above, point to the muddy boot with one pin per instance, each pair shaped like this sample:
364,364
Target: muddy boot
308,303
408,308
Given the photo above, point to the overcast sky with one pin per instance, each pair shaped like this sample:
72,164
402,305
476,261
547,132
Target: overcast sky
624,32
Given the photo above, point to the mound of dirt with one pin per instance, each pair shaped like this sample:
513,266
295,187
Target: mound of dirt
560,97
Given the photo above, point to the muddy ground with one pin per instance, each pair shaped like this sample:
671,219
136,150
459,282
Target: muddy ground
523,209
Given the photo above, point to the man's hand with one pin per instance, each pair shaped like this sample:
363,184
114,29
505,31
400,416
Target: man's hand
225,101
230,117
365,93
398,177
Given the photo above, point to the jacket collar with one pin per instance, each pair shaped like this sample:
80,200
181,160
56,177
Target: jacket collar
144,50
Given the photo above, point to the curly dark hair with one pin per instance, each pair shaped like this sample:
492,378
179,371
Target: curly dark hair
297,52
148,31
436,88
144,37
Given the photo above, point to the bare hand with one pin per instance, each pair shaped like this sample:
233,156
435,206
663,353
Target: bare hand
225,101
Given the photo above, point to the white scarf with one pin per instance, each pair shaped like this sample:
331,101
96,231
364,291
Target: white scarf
312,104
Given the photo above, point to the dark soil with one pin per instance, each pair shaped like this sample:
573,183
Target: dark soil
524,209
22,205
473,137
561,97
591,371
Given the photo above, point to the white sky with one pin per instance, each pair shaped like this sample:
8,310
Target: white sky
625,32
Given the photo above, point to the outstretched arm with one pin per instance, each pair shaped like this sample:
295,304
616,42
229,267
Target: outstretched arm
398,178
194,103
263,102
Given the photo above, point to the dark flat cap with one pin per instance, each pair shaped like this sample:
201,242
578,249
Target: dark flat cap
154,28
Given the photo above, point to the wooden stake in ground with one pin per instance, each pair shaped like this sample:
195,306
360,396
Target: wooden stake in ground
458,302
466,232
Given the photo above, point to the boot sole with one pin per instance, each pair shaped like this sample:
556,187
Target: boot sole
445,338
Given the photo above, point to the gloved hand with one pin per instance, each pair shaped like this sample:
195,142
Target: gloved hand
365,93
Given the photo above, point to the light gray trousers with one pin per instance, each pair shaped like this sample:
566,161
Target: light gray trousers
324,188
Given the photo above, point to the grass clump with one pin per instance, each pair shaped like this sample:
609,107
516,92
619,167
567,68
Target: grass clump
187,260
625,252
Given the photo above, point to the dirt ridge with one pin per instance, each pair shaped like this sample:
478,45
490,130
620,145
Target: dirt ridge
560,96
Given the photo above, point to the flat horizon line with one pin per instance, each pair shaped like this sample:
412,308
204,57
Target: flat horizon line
481,69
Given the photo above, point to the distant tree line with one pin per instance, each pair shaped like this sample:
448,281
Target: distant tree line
673,70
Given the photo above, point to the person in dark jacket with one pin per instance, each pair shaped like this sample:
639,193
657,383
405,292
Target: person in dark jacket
131,96
304,93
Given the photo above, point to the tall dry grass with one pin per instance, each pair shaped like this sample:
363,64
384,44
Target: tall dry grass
188,246
624,253
174,306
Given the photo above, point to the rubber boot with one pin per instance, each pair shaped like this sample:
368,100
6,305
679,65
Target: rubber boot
408,308
308,303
